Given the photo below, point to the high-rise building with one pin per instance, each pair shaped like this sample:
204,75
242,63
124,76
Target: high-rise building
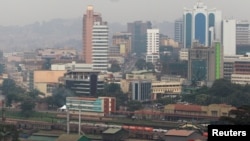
242,32
124,41
229,36
205,64
178,31
95,40
153,43
201,24
100,45
138,29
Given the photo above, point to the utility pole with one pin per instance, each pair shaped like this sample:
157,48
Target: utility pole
3,111
79,126
68,121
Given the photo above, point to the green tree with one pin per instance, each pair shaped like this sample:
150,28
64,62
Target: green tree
8,132
27,107
114,90
239,116
134,105
2,67
12,91
202,99
166,100
8,85
58,98
115,67
150,66
140,64
221,87
35,93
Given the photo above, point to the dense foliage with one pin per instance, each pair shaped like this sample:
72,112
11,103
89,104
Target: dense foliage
15,93
222,91
114,90
239,116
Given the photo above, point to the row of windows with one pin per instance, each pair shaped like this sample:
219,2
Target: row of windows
166,86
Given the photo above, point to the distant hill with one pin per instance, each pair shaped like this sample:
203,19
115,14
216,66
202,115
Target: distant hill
56,33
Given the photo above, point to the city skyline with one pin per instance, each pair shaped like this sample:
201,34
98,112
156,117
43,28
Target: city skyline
24,12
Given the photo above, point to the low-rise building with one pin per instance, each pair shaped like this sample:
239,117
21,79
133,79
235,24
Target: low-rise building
141,90
143,74
83,83
183,135
46,80
166,89
100,106
241,79
191,111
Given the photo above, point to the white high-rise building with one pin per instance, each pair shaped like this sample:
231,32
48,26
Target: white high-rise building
242,32
201,24
153,43
229,36
100,44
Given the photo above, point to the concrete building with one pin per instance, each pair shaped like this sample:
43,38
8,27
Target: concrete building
202,24
71,66
237,65
241,79
143,74
242,32
229,36
183,54
138,29
89,18
190,111
100,45
184,135
166,41
141,90
124,41
162,89
153,45
83,83
100,106
56,53
205,64
45,81
178,30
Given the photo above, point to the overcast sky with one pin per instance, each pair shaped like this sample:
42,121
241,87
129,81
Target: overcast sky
21,12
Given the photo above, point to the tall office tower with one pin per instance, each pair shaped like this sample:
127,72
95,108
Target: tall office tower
153,45
229,36
205,64
178,31
201,24
100,45
88,21
242,32
124,41
138,29
95,40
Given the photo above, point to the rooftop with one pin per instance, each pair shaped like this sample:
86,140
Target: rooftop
174,132
111,130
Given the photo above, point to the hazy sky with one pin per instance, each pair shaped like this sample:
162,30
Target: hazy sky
21,12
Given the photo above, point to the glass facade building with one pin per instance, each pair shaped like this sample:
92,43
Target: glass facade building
201,24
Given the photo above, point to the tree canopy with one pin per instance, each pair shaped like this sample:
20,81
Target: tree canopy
239,116
114,90
222,91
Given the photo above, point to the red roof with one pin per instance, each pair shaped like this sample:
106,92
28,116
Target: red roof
174,132
183,107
